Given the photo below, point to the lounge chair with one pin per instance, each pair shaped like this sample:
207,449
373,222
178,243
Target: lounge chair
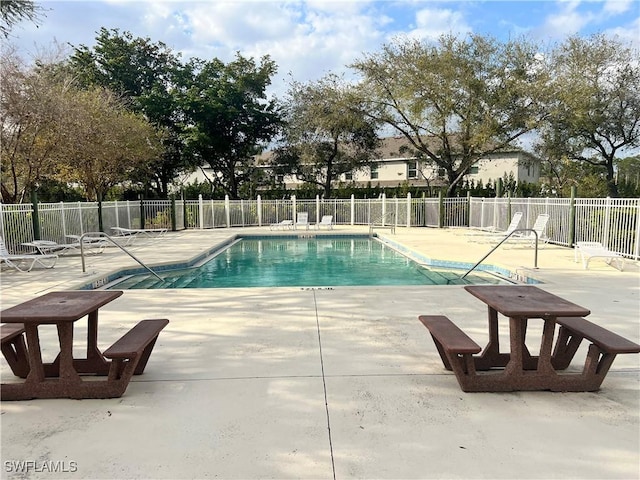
302,220
151,232
513,225
16,261
326,221
284,224
589,250
46,247
539,227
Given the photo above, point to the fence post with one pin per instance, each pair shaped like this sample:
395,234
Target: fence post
185,222
294,213
100,221
353,209
408,209
468,215
259,207
227,210
142,219
607,222
384,209
35,218
63,220
173,212
200,212
636,250
317,209
572,217
440,209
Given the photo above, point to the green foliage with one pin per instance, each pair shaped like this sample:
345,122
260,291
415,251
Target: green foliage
457,100
326,134
228,117
13,12
595,111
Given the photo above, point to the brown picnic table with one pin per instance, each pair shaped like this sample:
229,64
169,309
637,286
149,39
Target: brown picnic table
62,378
490,370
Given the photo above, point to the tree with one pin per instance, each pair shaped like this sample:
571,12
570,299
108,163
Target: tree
596,112
148,77
458,100
13,12
326,133
107,144
51,130
229,118
33,118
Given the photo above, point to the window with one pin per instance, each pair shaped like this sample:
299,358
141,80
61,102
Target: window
374,172
412,170
473,170
441,172
348,176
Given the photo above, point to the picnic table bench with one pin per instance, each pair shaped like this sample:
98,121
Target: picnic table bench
518,369
14,348
61,379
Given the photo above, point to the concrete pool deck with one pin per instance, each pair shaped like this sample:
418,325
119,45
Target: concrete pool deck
339,382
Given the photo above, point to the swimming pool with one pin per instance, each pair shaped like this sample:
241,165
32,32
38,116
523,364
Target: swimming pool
305,261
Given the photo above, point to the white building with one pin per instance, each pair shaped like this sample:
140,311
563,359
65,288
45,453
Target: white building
394,168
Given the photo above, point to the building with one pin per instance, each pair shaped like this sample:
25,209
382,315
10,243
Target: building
395,167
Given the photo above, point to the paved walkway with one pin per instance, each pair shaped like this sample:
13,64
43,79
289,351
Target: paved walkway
328,383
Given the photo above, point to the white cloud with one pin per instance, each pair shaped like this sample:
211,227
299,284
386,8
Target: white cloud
568,21
617,7
433,23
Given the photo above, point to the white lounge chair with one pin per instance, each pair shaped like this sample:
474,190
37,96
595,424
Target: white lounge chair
513,225
589,250
17,260
151,232
302,220
46,247
325,221
284,224
539,227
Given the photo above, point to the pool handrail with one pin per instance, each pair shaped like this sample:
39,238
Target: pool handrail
108,237
535,254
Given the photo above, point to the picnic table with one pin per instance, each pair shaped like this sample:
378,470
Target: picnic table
61,378
518,369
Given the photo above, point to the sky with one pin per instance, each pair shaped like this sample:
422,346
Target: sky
308,39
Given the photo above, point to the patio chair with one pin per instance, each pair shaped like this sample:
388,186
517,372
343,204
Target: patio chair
17,260
326,221
302,220
589,250
46,247
513,225
284,224
539,227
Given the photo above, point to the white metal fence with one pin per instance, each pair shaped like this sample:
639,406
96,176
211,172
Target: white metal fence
614,222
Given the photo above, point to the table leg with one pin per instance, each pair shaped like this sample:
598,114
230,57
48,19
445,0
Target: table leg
65,337
517,330
544,361
36,369
95,362
491,356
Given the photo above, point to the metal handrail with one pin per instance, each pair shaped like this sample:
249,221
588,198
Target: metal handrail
535,255
108,237
380,219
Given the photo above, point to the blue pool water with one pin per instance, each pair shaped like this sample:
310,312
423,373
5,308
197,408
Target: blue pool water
305,262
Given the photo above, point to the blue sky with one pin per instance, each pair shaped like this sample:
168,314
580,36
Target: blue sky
308,39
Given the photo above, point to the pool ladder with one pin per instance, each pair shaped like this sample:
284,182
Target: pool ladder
382,224
108,237
535,254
